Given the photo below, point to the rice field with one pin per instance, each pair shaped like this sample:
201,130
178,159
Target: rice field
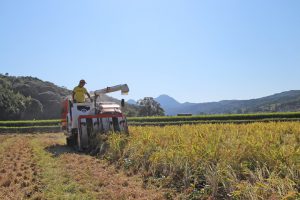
215,161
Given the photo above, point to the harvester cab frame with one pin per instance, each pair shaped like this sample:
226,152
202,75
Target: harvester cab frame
82,122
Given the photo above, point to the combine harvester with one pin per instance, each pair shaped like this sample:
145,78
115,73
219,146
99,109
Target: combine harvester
82,122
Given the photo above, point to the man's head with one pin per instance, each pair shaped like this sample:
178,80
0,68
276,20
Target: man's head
82,82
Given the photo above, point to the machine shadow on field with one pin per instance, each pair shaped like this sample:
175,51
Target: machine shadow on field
59,149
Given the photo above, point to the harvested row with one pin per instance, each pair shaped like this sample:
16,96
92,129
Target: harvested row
18,172
3,138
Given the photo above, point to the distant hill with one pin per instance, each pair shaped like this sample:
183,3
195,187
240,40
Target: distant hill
282,102
169,104
31,98
167,101
131,101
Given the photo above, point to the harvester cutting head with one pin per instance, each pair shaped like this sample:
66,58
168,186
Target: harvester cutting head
82,122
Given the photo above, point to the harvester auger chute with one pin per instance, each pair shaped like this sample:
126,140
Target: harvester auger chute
82,122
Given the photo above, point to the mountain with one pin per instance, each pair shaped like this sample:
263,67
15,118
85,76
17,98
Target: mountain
168,103
282,102
131,101
31,98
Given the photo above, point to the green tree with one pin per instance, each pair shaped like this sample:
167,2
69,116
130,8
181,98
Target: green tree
11,104
149,107
130,110
34,109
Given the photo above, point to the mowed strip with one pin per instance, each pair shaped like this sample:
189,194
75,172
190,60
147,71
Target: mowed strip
95,176
18,172
58,183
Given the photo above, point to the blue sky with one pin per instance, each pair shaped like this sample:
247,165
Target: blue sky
192,50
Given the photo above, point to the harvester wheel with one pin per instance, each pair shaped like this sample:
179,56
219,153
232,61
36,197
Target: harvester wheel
70,141
75,136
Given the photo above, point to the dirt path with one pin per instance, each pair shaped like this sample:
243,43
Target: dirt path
43,167
18,172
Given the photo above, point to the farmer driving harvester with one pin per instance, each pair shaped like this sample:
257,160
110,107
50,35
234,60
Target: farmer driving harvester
83,121
79,92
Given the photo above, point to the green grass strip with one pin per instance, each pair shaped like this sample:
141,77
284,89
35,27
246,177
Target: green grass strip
256,116
28,127
30,121
32,129
163,123
58,184
24,127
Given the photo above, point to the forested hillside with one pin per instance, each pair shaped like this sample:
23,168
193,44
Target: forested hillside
29,98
